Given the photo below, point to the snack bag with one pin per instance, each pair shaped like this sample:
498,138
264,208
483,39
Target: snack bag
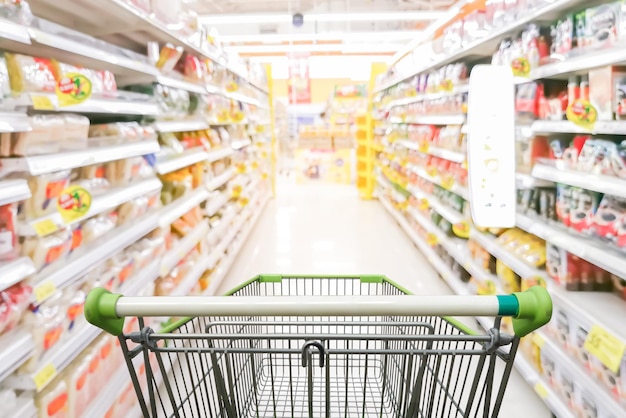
31,74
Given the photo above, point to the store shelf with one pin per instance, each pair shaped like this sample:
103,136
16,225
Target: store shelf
444,271
215,204
10,31
181,125
240,143
244,99
527,181
549,396
596,252
444,210
485,46
615,127
599,393
13,191
604,184
25,408
15,271
428,96
579,64
219,154
177,83
132,26
454,188
56,360
103,202
109,394
148,274
457,157
181,206
14,121
42,164
220,180
451,119
90,255
491,245
16,347
173,162
94,105
183,247
231,256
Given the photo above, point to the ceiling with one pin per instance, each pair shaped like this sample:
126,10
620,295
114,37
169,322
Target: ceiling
243,35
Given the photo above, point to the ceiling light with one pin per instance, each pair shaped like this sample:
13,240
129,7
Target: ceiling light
325,36
225,19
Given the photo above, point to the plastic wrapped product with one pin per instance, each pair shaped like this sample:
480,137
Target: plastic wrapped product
169,140
123,172
47,322
76,132
123,266
78,383
52,401
30,74
97,227
133,210
9,244
5,84
46,250
45,137
45,189
96,177
13,302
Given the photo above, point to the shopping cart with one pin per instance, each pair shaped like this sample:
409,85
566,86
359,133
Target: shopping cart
319,347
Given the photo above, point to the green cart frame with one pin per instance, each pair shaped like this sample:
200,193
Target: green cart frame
305,346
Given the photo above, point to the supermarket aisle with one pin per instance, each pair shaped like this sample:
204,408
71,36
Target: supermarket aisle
324,229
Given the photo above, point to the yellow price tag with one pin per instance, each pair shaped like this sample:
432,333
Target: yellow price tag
44,376
424,204
605,347
243,201
541,390
423,147
41,102
45,227
241,168
538,340
44,291
431,239
236,191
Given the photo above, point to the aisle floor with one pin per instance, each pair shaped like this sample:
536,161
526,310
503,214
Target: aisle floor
326,229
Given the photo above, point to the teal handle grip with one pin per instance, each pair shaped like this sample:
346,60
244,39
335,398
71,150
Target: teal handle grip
534,310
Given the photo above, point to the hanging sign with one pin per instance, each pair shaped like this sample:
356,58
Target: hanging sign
582,113
73,89
299,83
73,203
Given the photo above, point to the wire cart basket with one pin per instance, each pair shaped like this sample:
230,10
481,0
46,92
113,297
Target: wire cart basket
305,346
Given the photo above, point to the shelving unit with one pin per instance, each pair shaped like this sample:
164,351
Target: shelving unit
396,91
120,25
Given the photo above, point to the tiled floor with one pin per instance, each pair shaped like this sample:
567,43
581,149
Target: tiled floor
326,229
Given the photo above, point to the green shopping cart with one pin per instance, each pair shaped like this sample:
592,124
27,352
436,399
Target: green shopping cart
305,346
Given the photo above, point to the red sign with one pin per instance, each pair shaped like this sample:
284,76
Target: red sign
299,83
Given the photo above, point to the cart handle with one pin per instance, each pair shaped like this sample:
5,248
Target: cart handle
530,309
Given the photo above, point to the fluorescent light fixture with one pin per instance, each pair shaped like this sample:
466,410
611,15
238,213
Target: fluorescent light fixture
226,19
325,36
347,48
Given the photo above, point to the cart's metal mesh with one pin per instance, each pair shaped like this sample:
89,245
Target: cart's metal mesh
321,366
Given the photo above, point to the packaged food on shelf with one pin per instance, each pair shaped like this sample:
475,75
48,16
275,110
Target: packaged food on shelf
5,84
9,242
96,227
31,74
13,303
44,251
52,402
603,93
176,184
47,324
45,189
47,136
117,133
